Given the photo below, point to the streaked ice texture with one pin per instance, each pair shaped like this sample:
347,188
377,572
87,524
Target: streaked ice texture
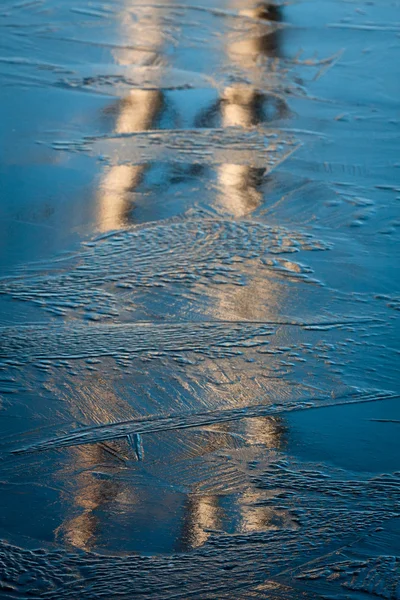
199,300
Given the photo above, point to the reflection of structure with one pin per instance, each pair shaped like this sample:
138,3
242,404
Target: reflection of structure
202,515
80,531
267,44
91,399
240,106
94,490
244,106
245,510
136,112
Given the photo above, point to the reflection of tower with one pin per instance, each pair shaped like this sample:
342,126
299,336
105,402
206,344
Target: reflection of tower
80,530
202,515
254,515
90,400
136,112
240,194
209,512
268,44
244,106
240,106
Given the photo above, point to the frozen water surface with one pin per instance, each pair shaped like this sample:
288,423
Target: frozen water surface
199,300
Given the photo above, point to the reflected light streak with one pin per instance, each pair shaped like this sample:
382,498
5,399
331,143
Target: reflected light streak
240,185
240,107
254,516
80,531
136,112
90,399
202,513
240,196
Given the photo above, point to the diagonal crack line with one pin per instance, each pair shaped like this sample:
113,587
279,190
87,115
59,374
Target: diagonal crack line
153,424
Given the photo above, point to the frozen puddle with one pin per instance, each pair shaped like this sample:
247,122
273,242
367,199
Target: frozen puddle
199,293
186,253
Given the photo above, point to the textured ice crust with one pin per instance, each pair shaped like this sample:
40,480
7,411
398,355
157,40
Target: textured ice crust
199,311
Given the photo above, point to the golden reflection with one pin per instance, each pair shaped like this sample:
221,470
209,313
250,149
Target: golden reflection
239,184
208,513
269,44
90,494
254,516
92,402
265,431
202,516
242,106
260,299
136,112
91,399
